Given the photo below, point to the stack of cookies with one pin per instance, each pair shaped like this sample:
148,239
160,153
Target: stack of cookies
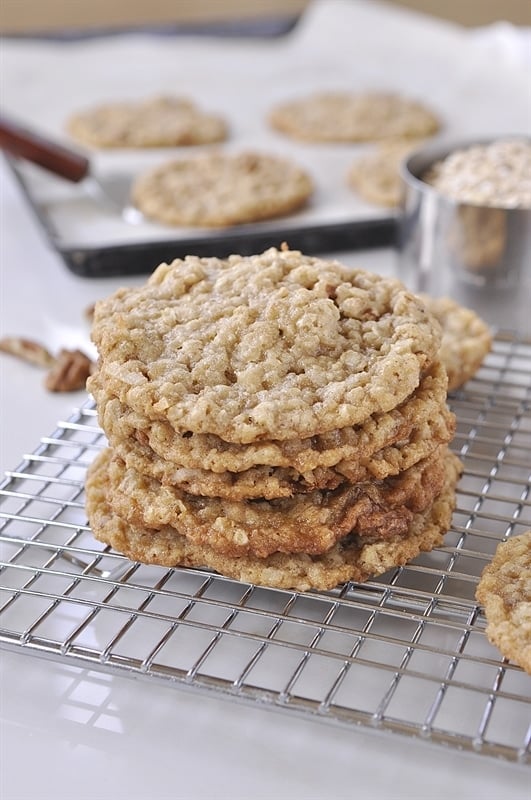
277,418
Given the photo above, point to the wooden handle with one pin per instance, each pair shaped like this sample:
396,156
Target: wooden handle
21,142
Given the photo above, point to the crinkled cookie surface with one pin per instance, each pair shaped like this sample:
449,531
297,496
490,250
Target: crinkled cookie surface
505,591
310,523
466,338
349,559
203,464
273,346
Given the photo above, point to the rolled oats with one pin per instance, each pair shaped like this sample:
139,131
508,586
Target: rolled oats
496,174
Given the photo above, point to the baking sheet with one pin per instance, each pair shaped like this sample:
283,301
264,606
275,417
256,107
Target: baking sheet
337,44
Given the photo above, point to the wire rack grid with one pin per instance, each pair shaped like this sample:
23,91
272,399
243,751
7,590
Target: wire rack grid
403,653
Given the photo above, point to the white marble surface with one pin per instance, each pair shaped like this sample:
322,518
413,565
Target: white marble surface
70,733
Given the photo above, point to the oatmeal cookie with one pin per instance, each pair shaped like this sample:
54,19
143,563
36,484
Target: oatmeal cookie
349,559
466,339
354,117
505,592
383,445
220,189
261,481
375,176
156,122
269,481
275,346
310,523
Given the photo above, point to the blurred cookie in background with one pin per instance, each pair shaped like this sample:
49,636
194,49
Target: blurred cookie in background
354,117
156,122
375,175
221,189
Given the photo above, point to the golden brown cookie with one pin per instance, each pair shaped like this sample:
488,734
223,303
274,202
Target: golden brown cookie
155,122
505,592
275,346
382,445
349,559
203,464
257,482
310,523
353,117
220,189
272,482
375,175
466,338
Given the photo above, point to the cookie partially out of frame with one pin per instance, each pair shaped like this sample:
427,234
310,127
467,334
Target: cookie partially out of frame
273,346
349,559
343,116
466,338
505,592
155,122
221,189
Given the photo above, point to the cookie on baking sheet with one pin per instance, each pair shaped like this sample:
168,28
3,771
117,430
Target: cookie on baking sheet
343,116
383,445
349,559
219,189
155,122
306,522
375,175
504,590
466,338
274,346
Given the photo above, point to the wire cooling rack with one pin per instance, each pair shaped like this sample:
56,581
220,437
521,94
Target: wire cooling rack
405,653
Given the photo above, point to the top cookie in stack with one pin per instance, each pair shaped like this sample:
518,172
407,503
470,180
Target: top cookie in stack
278,418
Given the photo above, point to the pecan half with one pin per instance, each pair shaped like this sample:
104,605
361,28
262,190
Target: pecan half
27,350
70,372
88,313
